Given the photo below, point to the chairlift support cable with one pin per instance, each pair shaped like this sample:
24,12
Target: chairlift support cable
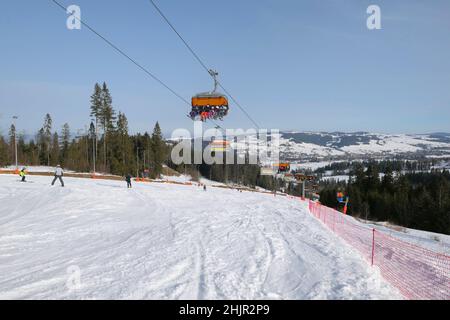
208,70
128,57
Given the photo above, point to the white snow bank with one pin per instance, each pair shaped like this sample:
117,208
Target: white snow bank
181,178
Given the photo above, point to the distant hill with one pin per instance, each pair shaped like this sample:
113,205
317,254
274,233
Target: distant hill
295,145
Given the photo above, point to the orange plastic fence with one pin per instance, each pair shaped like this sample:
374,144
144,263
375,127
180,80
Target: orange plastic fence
417,272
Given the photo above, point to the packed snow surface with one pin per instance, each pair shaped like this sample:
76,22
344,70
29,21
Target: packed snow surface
96,239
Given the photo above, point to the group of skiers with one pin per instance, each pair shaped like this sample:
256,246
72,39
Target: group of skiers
204,113
58,175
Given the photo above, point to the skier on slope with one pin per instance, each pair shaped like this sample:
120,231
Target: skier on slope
22,174
128,180
58,175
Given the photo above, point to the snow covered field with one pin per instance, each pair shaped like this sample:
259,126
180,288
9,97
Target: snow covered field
169,241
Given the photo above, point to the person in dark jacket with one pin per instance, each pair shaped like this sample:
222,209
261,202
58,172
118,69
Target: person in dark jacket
128,180
58,175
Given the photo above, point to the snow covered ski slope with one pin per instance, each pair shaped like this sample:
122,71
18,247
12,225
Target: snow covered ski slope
169,241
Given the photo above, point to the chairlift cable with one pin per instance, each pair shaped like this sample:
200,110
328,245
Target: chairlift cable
196,56
128,57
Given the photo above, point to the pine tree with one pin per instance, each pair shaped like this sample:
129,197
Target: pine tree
358,173
40,139
122,152
96,102
55,150
65,141
92,130
21,149
387,182
30,152
107,118
107,112
372,179
158,149
47,135
3,152
96,107
147,142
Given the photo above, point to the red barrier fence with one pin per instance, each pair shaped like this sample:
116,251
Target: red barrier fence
417,272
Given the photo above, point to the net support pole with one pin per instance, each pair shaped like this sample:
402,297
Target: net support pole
373,244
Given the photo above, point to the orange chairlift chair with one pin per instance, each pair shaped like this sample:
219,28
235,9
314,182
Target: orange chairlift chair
209,105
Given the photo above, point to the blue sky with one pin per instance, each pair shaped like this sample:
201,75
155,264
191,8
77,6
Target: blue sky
293,64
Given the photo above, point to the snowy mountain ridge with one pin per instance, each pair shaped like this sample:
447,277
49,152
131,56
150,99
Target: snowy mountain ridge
296,145
318,146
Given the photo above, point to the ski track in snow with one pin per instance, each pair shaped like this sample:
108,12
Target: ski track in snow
159,241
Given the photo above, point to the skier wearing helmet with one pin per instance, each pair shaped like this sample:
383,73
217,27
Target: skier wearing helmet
22,174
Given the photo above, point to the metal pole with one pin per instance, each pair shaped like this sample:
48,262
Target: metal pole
96,144
373,244
137,162
144,159
235,160
94,140
93,153
15,140
86,136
